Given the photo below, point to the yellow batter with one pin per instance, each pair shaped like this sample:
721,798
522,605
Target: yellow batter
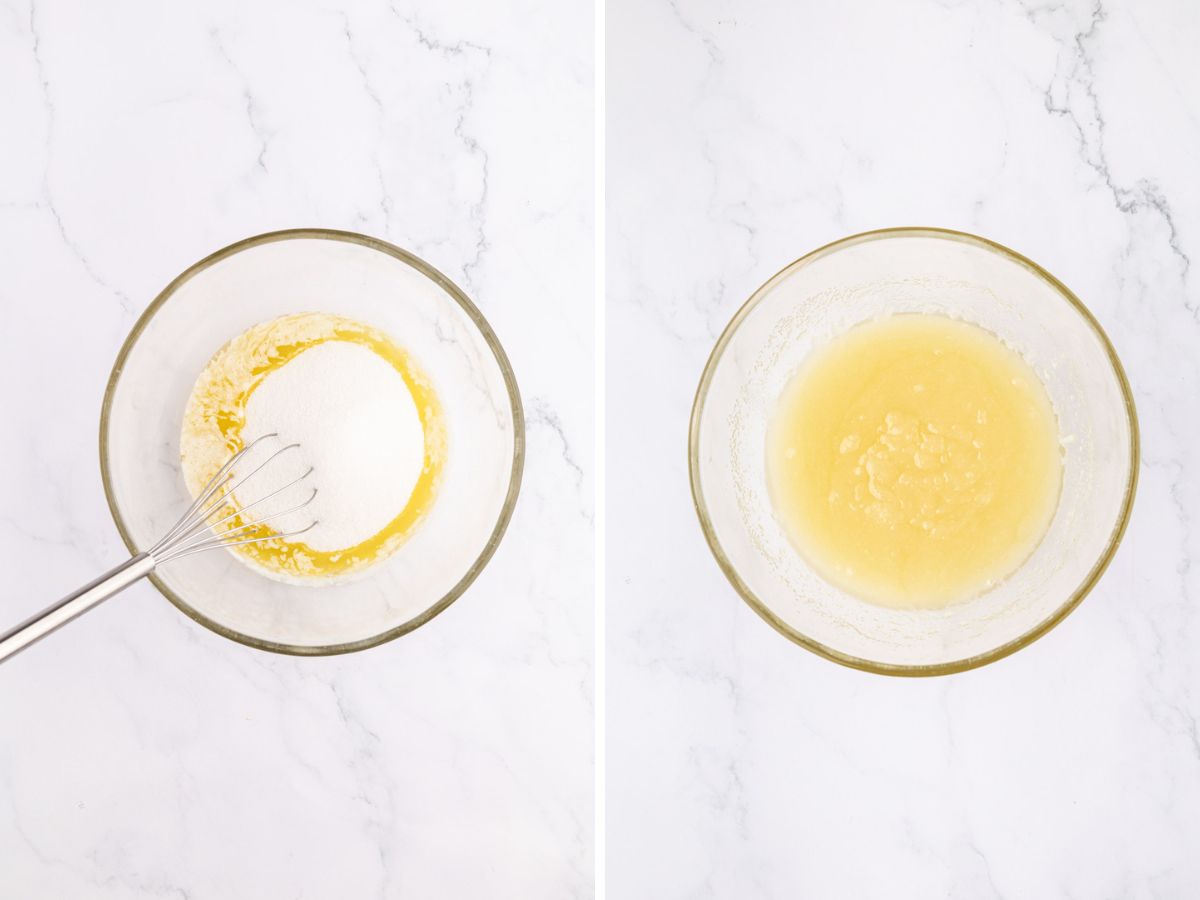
215,416
915,461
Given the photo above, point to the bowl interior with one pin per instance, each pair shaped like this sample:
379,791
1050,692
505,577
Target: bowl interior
878,274
350,275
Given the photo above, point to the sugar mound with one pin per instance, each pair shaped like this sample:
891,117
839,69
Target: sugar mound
358,428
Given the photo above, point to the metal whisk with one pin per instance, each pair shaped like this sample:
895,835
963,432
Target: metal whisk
195,532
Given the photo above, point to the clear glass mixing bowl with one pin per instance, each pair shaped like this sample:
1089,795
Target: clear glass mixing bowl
347,274
912,270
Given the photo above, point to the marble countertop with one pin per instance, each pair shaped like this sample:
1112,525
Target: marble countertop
741,135
141,755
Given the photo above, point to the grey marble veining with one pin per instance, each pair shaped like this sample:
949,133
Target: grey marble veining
742,135
140,755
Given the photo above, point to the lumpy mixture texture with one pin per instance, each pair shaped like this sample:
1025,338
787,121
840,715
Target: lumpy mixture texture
914,461
369,424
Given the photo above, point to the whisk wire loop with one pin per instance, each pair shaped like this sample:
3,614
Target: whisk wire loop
194,532
196,529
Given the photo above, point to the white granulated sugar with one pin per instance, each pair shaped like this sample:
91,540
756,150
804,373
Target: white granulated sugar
357,426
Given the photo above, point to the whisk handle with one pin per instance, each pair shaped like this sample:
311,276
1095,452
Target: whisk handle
55,616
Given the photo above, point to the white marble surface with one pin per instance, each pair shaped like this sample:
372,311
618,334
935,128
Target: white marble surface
141,755
741,135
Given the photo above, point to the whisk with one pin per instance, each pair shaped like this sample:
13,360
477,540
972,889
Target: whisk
194,532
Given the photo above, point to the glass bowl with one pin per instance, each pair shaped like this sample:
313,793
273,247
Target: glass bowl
365,279
871,275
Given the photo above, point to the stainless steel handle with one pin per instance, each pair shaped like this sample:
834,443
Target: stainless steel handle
53,617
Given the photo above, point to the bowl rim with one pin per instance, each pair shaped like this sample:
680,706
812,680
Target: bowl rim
489,336
846,659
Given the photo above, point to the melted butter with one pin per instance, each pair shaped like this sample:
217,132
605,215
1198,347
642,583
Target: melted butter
914,461
216,415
